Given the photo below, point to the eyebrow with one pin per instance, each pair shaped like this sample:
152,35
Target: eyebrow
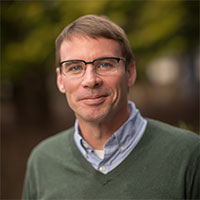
99,58
92,60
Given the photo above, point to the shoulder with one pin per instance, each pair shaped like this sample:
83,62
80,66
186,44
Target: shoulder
171,144
53,146
171,131
176,151
171,136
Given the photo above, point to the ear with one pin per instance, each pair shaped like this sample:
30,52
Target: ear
131,73
60,81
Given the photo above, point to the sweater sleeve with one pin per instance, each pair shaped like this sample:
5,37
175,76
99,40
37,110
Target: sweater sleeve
29,190
193,176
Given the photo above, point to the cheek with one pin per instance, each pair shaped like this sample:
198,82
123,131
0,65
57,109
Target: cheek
71,85
119,86
70,90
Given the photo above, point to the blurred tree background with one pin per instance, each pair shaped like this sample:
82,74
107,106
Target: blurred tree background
164,36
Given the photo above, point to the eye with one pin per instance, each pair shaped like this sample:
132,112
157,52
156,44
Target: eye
104,65
73,67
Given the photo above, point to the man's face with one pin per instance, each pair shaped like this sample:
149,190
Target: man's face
92,97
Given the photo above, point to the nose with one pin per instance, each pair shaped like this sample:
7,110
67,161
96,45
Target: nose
90,78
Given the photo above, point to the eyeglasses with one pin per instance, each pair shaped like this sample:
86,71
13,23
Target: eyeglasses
102,66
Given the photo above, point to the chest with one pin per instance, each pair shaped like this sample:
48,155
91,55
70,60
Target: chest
132,181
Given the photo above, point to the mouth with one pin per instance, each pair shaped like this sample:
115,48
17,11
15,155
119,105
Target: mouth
94,100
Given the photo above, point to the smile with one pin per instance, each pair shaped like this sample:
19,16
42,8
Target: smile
93,100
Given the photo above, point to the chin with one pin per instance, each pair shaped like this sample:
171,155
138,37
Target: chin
94,117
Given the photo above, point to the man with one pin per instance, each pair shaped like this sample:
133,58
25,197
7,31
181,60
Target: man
112,152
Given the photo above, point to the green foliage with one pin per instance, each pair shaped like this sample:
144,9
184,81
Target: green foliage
29,29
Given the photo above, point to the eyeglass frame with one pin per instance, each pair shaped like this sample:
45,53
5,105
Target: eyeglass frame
90,62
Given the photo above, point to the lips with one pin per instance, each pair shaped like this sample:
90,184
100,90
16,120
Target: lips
93,99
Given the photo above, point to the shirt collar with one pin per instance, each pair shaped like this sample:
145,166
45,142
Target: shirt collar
121,135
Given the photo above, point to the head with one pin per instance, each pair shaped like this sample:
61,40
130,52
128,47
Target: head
95,97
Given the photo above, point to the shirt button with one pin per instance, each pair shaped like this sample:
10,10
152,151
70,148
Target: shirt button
85,145
122,148
102,169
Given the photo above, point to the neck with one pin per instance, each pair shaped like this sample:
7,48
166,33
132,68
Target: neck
97,133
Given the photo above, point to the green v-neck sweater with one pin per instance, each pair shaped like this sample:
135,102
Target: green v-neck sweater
164,165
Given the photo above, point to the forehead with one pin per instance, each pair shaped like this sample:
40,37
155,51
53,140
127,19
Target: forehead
88,48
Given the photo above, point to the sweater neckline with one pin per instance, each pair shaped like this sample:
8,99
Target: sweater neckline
137,151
